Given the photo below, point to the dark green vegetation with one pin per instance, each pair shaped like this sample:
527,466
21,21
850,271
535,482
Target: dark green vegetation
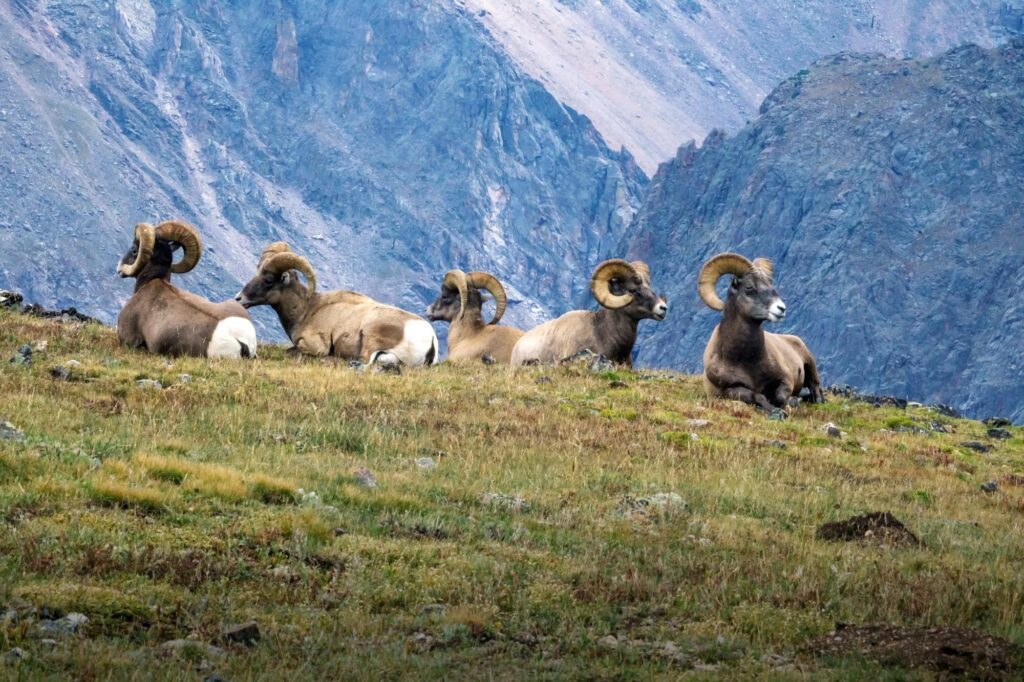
568,527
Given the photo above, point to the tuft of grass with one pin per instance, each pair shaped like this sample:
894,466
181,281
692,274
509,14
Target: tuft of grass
271,490
117,494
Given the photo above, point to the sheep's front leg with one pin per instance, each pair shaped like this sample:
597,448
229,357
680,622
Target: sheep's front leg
748,396
784,397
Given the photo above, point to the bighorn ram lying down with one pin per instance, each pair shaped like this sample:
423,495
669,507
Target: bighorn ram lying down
460,304
742,361
164,319
624,292
342,324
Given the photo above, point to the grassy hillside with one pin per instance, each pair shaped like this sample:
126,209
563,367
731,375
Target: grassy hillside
547,523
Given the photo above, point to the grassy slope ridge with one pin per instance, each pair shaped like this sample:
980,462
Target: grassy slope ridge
171,513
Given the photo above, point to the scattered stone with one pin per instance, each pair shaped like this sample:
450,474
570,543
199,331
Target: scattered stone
652,506
9,431
48,643
180,646
244,633
542,380
73,363
487,359
15,655
41,346
976,446
23,356
51,613
432,610
697,423
778,415
426,463
60,373
989,486
946,410
618,384
851,393
60,628
833,431
999,434
184,378
997,421
880,527
775,444
357,366
149,383
9,299
364,477
957,652
422,641
503,501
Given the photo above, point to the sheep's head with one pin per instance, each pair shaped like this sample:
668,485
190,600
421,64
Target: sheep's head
619,285
460,292
751,291
275,275
155,247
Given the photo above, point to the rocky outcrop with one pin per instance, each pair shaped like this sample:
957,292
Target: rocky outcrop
888,194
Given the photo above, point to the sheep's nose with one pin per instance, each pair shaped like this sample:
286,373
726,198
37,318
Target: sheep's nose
782,306
239,297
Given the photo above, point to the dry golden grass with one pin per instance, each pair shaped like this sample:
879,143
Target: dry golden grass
172,513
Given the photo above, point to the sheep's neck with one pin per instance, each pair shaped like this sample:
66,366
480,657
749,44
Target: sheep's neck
617,333
152,273
467,325
740,338
292,307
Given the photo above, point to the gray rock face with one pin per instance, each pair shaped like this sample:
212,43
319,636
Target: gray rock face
888,194
387,141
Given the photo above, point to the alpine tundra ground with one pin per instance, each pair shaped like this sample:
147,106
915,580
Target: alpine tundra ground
540,524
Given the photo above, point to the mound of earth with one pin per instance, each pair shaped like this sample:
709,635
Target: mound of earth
957,651
880,527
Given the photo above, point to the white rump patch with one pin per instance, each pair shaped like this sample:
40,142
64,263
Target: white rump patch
228,338
418,339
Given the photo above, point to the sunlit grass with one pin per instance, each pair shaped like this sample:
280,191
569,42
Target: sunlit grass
173,513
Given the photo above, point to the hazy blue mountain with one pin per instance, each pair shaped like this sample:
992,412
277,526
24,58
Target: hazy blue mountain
888,193
387,141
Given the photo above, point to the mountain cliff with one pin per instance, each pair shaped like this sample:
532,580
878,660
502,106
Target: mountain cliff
653,74
386,141
888,194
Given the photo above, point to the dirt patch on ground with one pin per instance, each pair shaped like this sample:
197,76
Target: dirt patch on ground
878,527
956,651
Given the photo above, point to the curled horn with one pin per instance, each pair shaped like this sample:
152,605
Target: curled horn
456,279
642,269
485,280
186,235
145,235
764,265
604,273
271,251
285,261
713,270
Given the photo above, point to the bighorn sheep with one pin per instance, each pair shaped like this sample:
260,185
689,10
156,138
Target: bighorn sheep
342,324
166,320
460,304
624,292
742,361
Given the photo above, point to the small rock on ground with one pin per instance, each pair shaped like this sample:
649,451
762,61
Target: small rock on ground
503,501
997,421
9,431
364,477
880,527
23,356
999,434
178,646
976,446
62,627
149,383
244,633
697,423
989,486
426,463
14,656
832,430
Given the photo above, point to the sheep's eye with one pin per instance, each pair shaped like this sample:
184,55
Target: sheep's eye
751,291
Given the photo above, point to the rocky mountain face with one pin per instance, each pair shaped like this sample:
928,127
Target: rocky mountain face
653,74
888,194
387,141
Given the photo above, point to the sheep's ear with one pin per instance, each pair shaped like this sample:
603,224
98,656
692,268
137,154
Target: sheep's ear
735,283
286,278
